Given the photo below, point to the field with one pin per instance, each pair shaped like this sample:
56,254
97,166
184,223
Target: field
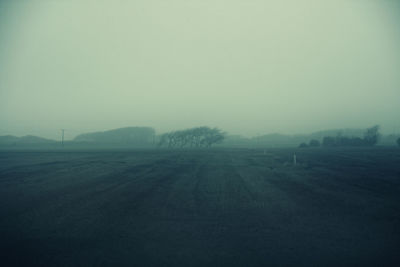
223,207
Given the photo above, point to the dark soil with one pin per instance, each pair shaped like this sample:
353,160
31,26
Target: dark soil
336,207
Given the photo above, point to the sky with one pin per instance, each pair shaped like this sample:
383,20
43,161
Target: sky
248,67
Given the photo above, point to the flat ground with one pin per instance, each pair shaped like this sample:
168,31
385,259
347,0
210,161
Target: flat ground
336,207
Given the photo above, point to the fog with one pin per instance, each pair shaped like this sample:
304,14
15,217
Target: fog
248,67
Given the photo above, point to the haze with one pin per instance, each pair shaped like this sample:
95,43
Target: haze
248,67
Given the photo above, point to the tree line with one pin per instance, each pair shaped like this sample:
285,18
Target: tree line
194,137
371,138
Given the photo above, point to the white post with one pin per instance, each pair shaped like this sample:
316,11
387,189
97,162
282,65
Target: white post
62,137
294,159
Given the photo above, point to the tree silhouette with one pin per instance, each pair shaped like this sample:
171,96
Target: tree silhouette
195,137
314,143
372,135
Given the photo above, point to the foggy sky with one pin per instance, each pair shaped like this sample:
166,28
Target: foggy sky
248,67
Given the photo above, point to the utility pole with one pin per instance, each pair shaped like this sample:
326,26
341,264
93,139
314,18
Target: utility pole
62,137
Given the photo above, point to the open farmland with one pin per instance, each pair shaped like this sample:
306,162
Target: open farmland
336,207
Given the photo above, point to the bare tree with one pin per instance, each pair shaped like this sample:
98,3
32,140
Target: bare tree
195,137
372,135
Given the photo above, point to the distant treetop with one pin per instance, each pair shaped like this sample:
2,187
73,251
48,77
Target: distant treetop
195,137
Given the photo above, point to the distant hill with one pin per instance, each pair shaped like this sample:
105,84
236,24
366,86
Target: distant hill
348,132
390,139
127,135
294,140
285,140
11,140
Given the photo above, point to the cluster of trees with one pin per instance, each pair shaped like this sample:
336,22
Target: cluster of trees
343,141
371,137
312,143
194,137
